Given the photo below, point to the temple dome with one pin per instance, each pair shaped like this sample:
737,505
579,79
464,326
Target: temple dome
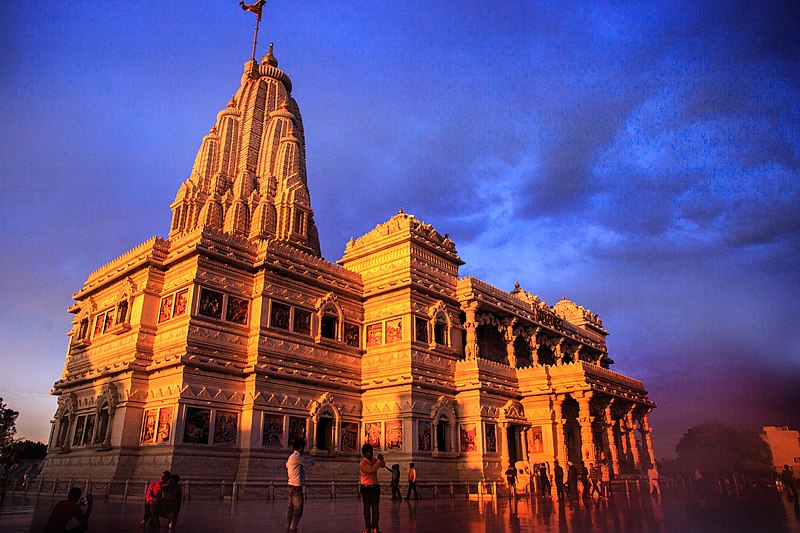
255,150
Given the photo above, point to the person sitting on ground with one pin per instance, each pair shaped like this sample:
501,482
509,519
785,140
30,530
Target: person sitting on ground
66,510
168,505
154,493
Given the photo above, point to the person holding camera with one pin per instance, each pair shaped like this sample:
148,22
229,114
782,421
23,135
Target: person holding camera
370,487
66,510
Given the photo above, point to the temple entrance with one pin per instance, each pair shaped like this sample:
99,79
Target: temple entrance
512,438
324,435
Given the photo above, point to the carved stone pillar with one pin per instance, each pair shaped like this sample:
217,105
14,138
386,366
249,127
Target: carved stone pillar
502,439
585,419
524,438
612,443
312,436
534,344
558,350
646,430
471,350
509,337
559,450
632,445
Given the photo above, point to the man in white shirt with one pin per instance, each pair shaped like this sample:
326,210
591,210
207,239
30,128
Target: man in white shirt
296,468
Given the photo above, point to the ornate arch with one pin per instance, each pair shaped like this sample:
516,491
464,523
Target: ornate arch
512,412
443,408
324,406
109,397
435,312
325,304
67,407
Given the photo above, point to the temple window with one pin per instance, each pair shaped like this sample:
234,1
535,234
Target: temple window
441,330
443,435
122,312
329,323
325,433
83,329
421,330
352,335
279,315
172,305
300,222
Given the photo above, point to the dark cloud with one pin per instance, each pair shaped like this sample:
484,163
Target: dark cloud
641,160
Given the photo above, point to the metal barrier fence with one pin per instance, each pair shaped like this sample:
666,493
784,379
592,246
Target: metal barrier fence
271,490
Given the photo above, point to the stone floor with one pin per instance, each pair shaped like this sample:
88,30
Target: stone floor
679,511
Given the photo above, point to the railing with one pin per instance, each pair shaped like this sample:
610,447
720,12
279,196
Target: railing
271,490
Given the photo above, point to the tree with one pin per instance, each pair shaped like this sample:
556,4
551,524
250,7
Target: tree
718,448
22,450
8,426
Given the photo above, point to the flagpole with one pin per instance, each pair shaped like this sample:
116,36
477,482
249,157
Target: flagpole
255,38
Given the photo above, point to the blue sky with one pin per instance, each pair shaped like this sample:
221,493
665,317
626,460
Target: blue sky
641,160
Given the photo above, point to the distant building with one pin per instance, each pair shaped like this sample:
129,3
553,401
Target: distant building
785,446
208,352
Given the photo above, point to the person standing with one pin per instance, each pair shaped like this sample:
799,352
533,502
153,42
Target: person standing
787,478
296,466
169,504
594,479
396,495
558,473
151,498
652,477
412,482
66,510
511,479
583,481
572,480
544,479
605,479
370,487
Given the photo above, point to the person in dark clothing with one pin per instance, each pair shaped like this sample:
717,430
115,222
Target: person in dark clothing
584,478
169,504
572,480
511,478
544,479
787,478
558,473
396,495
66,510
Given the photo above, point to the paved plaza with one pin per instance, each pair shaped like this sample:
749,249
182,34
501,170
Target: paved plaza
679,511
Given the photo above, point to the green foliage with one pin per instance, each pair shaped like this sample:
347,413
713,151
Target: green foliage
22,450
8,425
718,448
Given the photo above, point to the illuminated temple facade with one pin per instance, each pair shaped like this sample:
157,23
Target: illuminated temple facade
206,353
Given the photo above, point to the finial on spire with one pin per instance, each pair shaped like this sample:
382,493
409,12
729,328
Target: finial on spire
254,8
270,58
400,211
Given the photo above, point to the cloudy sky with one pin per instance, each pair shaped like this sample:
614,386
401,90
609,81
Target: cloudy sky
640,160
